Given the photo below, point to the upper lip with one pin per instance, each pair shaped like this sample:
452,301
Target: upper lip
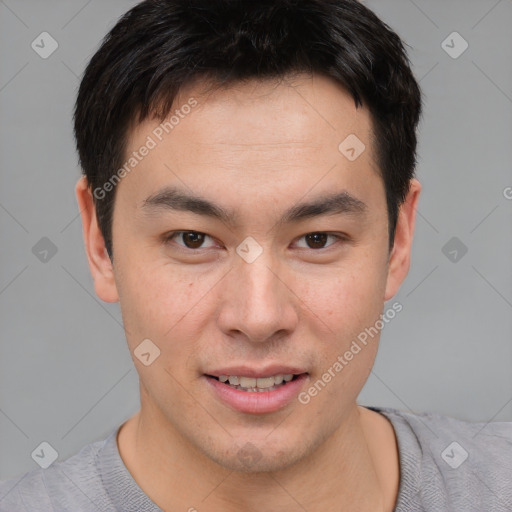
267,371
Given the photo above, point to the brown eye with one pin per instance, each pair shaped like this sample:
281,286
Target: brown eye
190,239
318,240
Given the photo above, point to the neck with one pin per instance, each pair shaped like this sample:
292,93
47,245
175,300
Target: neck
355,469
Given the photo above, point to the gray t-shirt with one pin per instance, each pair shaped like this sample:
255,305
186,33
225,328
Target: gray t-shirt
446,465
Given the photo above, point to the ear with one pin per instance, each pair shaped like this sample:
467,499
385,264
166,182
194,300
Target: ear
399,260
99,262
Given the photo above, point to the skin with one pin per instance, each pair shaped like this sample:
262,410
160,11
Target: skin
257,148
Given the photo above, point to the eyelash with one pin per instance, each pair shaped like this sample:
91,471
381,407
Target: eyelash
169,237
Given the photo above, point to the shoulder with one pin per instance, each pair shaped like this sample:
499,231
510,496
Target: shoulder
71,485
452,464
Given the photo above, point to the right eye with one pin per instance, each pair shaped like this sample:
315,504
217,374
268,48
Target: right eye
192,240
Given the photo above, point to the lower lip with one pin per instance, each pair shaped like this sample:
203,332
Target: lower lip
258,402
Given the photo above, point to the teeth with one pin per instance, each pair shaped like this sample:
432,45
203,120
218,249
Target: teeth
253,383
264,382
246,382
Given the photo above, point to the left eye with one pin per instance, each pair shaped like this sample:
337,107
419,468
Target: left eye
194,239
318,238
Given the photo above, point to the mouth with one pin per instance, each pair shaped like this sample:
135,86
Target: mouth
253,391
257,384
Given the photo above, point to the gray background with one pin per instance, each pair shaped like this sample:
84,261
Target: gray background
66,375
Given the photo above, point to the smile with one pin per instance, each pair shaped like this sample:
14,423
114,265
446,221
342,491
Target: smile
257,395
256,384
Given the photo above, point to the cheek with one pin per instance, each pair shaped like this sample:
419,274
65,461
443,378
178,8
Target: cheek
346,351
353,291
345,310
157,301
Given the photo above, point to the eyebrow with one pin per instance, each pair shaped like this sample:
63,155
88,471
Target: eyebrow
175,199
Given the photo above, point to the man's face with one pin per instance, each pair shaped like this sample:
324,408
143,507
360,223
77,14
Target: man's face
256,150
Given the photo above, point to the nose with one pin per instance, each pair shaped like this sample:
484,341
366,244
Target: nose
258,300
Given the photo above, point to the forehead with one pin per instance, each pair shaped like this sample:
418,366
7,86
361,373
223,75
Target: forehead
313,109
259,135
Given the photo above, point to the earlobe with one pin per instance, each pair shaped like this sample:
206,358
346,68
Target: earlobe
99,262
399,261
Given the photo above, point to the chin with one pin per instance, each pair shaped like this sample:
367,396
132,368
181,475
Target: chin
252,456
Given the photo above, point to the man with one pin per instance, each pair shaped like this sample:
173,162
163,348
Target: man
249,199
